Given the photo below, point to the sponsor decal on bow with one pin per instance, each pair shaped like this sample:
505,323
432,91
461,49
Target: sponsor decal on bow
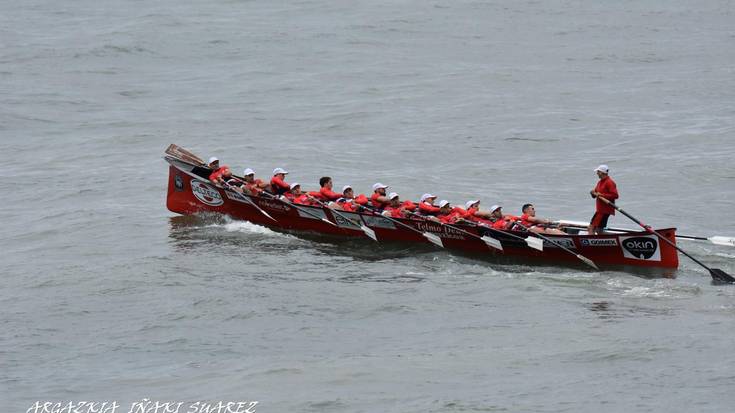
352,221
598,242
314,213
641,247
564,242
205,193
378,221
178,183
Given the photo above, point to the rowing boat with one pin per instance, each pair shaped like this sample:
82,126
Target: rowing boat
190,192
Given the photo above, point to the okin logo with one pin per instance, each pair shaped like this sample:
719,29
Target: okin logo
641,247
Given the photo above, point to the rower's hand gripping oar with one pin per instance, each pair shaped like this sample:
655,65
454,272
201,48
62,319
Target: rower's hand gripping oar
717,274
429,236
369,232
490,241
549,240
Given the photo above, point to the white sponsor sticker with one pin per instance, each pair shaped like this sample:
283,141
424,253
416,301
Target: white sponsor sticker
564,242
206,193
641,247
598,242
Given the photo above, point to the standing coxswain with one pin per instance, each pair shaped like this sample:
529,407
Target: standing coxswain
607,189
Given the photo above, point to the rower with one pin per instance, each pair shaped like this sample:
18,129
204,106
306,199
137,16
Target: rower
607,189
499,220
252,185
447,214
213,163
426,205
348,201
278,185
535,224
473,211
378,199
295,195
325,191
394,208
220,175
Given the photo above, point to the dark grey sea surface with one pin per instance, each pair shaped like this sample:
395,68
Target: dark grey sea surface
106,295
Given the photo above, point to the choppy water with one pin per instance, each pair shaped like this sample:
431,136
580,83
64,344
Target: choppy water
108,296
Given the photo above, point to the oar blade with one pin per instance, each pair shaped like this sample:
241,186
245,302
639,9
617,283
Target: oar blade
588,261
492,242
719,240
329,222
433,239
721,277
535,243
369,232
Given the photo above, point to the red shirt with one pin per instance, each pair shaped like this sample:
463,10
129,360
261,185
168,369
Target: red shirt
607,189
376,203
525,222
361,199
254,186
428,209
450,218
302,199
394,212
279,185
328,194
214,176
505,223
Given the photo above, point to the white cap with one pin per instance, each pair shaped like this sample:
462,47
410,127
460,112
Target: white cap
443,203
494,208
378,185
346,187
424,197
248,172
602,168
392,195
295,184
471,202
279,171
213,159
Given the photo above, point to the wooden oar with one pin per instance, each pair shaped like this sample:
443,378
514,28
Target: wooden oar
532,242
549,240
302,209
715,239
490,241
369,232
183,154
429,236
251,203
717,274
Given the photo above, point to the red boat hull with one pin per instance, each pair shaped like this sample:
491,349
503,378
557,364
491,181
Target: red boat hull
189,194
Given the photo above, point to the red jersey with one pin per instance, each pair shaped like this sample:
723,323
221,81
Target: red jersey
505,223
409,205
361,199
279,185
450,218
428,209
214,176
254,187
607,189
395,212
328,194
525,222
302,199
377,204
